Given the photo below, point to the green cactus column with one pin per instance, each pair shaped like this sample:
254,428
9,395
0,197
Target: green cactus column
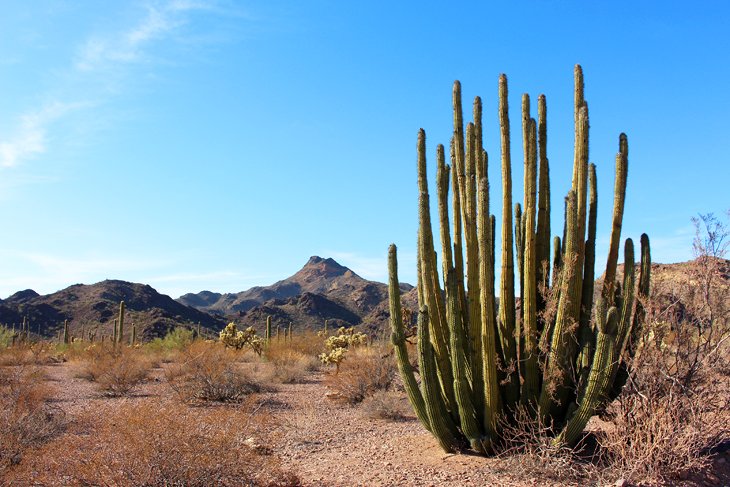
66,336
120,331
268,329
398,339
133,338
507,279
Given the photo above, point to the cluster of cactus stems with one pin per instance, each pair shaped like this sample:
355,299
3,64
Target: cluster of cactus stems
482,357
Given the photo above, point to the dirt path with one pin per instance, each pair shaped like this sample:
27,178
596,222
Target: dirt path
337,445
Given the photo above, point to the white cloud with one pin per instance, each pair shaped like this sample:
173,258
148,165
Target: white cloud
32,134
107,56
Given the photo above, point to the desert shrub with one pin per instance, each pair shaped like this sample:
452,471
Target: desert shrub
291,366
6,336
365,372
30,353
208,372
27,418
676,404
388,405
116,371
161,443
166,349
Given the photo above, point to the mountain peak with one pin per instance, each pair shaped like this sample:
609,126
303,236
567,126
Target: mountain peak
325,267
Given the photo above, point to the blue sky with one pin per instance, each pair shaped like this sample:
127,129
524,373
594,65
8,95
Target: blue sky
213,144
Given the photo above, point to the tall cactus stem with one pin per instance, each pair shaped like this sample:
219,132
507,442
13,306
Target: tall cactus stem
619,198
507,278
120,330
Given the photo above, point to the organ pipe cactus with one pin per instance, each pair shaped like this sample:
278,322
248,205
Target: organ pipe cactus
480,362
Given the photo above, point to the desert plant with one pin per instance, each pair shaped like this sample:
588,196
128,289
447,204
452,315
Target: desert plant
679,374
388,405
231,337
115,371
159,442
27,418
207,372
479,362
7,336
365,372
290,365
338,345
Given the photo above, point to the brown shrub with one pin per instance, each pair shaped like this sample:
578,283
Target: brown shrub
388,405
116,371
364,371
26,417
30,353
149,442
207,372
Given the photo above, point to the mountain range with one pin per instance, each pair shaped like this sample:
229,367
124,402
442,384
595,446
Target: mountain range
321,290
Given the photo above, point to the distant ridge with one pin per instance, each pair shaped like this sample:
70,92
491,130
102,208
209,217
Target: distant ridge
94,308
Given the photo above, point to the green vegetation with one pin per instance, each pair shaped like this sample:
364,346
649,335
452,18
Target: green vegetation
483,366
6,336
177,339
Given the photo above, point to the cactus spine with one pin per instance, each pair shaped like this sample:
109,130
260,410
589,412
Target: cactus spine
477,361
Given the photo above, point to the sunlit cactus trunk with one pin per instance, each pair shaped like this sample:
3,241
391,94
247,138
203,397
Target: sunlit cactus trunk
479,362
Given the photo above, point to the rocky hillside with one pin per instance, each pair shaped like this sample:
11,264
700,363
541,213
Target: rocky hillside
321,290
94,308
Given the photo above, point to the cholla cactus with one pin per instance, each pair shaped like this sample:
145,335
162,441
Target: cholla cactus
335,356
230,336
338,345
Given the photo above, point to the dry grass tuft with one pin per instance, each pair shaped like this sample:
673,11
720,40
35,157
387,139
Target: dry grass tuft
116,371
291,366
387,405
362,373
26,417
207,372
161,443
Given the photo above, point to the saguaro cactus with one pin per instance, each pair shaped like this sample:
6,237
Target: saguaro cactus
120,329
480,363
268,330
66,336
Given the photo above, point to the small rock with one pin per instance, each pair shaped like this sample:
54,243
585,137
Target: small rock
621,483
